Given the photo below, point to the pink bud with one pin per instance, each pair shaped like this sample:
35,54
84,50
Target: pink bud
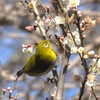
98,57
62,38
95,56
47,8
83,36
74,22
97,97
80,15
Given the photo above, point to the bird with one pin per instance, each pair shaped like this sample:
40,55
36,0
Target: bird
41,62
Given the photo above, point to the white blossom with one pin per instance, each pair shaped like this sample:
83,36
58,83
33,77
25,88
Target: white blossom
74,50
74,2
59,20
91,79
29,50
69,39
80,50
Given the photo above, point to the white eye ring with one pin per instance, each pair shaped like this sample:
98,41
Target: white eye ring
45,45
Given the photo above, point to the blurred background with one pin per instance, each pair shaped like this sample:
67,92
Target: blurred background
13,21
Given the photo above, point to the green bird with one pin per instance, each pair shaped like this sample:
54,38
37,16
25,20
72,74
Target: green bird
41,62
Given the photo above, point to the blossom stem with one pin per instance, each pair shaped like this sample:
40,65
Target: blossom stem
80,32
60,5
42,5
94,93
38,18
78,25
93,65
45,9
82,89
26,1
15,81
72,36
82,59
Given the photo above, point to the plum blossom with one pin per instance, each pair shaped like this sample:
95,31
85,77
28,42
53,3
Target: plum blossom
91,79
73,3
69,39
27,49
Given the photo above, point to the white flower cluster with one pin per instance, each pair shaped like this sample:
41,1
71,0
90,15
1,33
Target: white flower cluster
73,3
69,39
27,49
91,79
49,21
95,72
73,43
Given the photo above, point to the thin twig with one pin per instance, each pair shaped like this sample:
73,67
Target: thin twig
55,75
14,86
93,91
82,88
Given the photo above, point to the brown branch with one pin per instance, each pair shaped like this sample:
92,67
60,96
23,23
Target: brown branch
62,75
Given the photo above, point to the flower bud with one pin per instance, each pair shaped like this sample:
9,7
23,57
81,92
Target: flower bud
85,56
90,53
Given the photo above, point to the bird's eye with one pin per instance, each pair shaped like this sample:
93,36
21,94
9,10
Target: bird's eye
46,45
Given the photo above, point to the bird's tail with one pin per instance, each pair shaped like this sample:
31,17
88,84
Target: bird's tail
19,73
